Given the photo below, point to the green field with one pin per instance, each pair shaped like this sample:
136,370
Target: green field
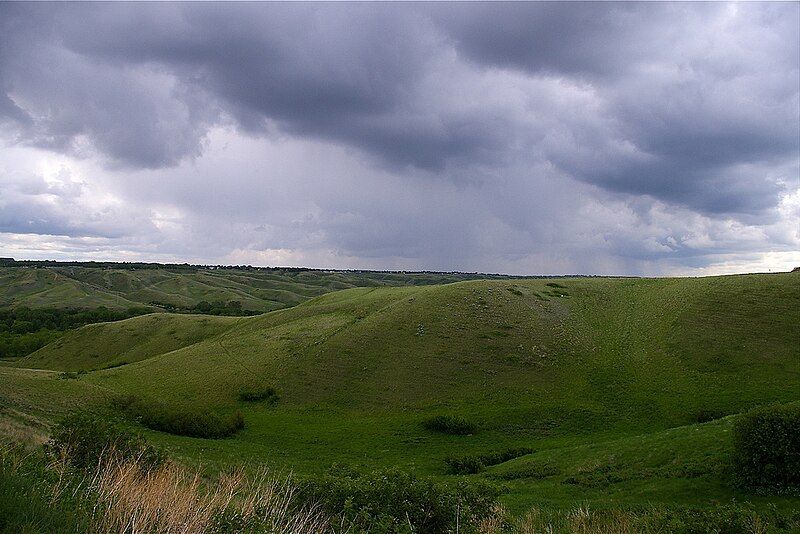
605,379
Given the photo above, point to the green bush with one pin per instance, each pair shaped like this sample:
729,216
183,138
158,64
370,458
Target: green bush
393,501
182,422
464,465
471,464
766,448
266,394
450,424
83,439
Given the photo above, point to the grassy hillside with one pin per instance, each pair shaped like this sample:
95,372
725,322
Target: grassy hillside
605,379
103,345
121,286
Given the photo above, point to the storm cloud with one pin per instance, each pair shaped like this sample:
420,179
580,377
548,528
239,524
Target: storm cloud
527,137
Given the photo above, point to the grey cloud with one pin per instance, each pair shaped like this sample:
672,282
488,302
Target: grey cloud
466,120
353,73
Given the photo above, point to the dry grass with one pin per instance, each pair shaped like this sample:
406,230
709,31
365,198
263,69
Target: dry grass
127,498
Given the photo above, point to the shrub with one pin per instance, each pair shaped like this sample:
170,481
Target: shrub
395,501
766,448
266,394
193,423
84,439
67,375
704,415
450,424
467,465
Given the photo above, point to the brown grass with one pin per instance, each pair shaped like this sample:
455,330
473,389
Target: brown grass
129,499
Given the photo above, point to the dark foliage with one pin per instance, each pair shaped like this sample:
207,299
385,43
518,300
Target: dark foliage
475,463
83,439
218,307
267,394
181,422
705,415
766,448
450,424
394,501
71,375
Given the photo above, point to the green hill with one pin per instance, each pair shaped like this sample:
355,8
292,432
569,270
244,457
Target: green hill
50,284
605,379
102,345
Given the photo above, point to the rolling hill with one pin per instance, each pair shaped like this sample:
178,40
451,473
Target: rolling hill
113,285
112,344
609,381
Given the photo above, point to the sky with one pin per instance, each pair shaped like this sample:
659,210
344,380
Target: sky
523,138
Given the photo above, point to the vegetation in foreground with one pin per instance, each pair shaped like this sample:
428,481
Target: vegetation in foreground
119,494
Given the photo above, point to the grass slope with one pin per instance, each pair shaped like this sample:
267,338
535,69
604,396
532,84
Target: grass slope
103,345
603,378
257,289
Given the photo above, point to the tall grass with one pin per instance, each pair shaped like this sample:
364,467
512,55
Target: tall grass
169,499
126,496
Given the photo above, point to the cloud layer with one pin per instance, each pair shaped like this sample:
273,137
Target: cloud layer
522,137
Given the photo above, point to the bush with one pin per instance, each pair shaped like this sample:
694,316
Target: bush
83,440
766,448
70,375
267,394
471,464
395,501
193,423
450,424
705,415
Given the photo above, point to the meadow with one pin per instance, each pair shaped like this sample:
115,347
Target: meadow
594,394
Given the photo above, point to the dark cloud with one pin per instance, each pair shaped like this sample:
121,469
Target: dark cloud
694,108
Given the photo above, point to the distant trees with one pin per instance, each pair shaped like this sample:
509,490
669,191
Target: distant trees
24,330
217,307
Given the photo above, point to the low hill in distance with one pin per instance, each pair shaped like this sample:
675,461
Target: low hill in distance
119,285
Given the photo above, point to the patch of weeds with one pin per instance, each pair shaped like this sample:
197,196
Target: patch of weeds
556,285
515,291
393,501
450,424
532,470
598,476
